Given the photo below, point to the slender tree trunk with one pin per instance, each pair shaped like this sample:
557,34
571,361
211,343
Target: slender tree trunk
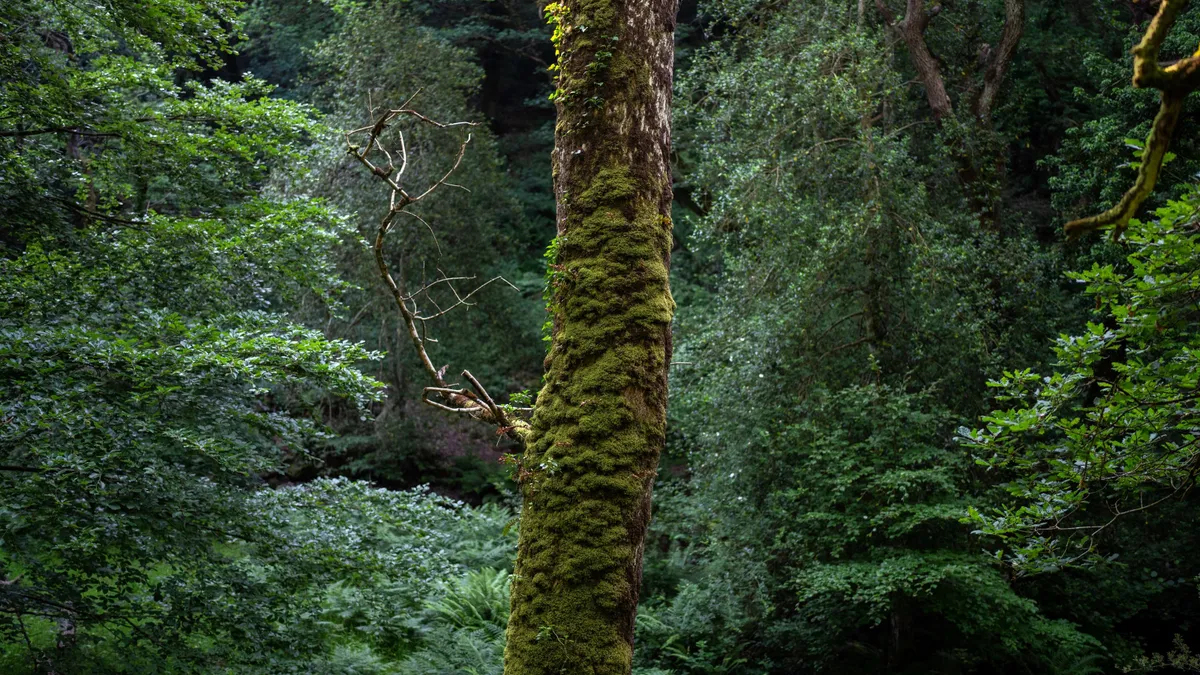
599,422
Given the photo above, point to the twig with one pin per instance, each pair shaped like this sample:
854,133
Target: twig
463,300
431,233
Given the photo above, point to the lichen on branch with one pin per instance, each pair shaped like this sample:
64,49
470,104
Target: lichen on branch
1175,82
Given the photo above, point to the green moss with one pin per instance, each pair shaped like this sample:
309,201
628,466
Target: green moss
610,186
600,424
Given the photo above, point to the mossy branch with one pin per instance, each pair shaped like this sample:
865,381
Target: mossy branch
1175,82
1157,144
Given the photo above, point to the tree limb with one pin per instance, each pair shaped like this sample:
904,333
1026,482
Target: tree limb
912,31
1010,37
1175,82
52,130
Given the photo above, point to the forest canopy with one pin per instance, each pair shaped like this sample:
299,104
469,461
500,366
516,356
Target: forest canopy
614,336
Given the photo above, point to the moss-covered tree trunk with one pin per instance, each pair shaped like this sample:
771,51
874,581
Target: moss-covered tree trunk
599,423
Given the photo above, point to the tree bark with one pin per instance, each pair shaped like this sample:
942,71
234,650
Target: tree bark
599,422
911,30
1001,59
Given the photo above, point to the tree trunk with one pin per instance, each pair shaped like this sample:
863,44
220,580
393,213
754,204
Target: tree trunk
972,171
599,422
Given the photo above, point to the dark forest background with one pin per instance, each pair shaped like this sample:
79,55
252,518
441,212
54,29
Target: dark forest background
913,428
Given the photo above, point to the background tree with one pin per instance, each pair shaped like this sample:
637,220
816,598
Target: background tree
150,383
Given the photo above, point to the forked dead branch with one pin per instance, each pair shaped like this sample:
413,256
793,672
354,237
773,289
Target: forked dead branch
474,400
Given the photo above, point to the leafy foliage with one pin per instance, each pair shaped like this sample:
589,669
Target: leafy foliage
857,307
1111,430
150,378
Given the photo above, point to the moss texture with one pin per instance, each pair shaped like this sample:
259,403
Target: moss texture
1176,82
599,423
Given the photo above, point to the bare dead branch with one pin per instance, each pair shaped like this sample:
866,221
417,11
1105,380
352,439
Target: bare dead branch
463,299
486,398
427,226
479,405
450,393
441,280
462,149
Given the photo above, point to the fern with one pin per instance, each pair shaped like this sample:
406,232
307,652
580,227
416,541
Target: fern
477,600
354,660
482,537
459,651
